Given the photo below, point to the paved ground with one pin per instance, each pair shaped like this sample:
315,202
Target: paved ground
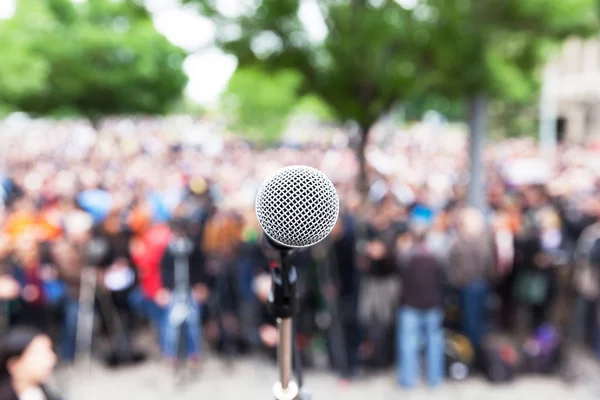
253,378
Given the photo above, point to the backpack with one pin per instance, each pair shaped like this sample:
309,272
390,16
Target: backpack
531,287
460,356
543,351
501,362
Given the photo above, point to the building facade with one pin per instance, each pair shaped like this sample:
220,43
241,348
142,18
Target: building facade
574,81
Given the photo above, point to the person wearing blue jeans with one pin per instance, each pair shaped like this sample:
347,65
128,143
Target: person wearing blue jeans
68,335
420,316
183,279
151,310
413,327
182,313
473,304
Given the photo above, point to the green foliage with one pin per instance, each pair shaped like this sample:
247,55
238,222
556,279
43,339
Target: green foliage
451,109
258,104
513,119
97,57
312,105
187,106
378,52
496,47
366,62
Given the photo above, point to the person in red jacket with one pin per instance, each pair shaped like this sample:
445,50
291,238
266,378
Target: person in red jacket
146,251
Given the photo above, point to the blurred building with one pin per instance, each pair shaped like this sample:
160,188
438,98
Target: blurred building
575,82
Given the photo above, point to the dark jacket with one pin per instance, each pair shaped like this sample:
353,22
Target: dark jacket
196,275
386,266
422,279
343,259
8,393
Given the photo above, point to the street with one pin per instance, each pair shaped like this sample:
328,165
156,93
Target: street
252,378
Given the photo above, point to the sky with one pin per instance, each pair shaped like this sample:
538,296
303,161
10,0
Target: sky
207,67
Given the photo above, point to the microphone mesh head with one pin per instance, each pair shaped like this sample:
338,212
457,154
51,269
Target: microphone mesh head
297,206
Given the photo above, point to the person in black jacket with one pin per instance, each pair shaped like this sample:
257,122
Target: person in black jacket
420,314
26,363
184,292
118,280
378,286
340,286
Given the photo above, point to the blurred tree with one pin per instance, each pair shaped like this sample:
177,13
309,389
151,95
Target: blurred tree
378,52
452,109
312,105
258,104
493,49
509,119
95,57
365,63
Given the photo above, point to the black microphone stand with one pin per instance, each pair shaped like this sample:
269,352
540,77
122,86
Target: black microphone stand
284,305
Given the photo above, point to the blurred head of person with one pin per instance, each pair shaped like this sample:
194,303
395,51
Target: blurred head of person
112,224
470,223
419,230
549,220
78,226
534,196
181,220
140,219
26,250
26,362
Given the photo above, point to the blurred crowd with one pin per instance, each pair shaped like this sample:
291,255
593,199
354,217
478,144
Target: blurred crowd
149,223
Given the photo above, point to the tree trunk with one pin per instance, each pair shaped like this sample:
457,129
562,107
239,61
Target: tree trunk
363,182
476,193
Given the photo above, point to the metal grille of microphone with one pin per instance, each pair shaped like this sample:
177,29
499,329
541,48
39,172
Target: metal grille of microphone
297,206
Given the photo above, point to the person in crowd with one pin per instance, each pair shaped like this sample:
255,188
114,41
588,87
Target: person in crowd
252,263
340,284
26,364
147,249
378,288
471,263
586,284
502,276
556,253
117,283
27,270
222,244
539,251
184,292
420,314
68,254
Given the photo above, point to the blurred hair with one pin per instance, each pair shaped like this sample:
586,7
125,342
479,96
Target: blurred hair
13,344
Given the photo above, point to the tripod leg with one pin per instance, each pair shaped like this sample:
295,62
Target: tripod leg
221,293
85,316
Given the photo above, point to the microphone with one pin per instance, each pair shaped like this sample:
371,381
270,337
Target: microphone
297,207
